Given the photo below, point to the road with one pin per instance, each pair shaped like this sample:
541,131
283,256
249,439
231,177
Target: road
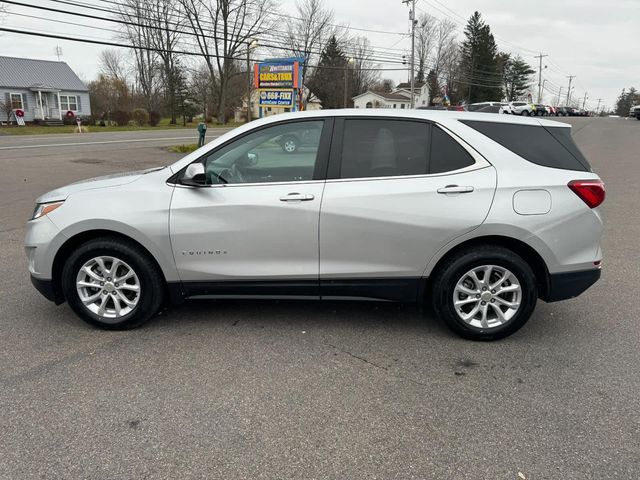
251,390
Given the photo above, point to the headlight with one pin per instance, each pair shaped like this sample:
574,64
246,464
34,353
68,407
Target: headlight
45,208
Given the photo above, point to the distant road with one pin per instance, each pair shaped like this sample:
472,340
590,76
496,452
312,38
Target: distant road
153,137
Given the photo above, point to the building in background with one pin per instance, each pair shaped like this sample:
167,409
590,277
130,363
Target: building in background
399,97
43,90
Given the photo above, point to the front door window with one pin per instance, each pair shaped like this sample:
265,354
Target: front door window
281,153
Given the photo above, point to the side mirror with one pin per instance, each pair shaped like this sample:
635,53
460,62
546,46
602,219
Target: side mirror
194,175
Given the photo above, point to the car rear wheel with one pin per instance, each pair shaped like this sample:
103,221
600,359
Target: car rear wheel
112,284
485,293
525,113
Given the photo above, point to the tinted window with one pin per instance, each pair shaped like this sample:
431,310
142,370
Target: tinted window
381,148
535,144
281,153
447,154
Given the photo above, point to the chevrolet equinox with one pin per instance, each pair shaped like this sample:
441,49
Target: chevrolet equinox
478,214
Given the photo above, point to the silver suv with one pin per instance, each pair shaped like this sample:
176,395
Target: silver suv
480,215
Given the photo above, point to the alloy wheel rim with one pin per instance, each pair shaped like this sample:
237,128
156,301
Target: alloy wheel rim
108,287
289,145
487,296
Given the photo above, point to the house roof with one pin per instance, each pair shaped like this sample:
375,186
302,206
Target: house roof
407,85
385,95
28,73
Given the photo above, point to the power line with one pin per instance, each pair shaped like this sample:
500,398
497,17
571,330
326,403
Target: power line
182,52
282,46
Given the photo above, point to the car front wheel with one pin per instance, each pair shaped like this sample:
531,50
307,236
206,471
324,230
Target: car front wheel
524,112
112,284
485,293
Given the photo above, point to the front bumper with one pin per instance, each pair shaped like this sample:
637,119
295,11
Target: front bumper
46,288
563,286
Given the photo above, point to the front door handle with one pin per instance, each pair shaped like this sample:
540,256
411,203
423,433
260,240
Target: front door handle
297,197
455,189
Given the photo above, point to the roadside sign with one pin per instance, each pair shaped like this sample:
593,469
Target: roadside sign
276,98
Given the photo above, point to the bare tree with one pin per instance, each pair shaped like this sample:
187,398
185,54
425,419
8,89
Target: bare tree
113,64
443,45
426,35
202,86
450,71
169,23
223,30
139,33
363,72
308,33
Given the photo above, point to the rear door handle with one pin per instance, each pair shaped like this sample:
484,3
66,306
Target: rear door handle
455,189
297,197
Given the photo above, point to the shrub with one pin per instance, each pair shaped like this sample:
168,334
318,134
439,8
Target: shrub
140,116
154,118
121,117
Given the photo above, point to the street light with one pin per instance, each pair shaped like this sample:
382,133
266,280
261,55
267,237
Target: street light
346,72
251,45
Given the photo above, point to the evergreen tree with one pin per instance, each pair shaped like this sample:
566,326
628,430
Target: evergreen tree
479,64
517,77
434,87
626,100
327,82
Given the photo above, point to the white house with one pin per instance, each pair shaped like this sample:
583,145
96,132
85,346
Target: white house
42,89
399,97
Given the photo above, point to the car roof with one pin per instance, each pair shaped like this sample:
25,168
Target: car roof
433,115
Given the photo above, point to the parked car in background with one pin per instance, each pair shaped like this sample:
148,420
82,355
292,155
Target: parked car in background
474,107
539,109
475,214
521,108
635,112
506,108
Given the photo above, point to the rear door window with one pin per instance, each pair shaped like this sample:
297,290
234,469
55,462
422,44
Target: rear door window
547,146
382,148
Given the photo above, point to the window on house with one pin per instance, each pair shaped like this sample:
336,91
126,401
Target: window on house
16,101
394,105
68,102
369,105
402,105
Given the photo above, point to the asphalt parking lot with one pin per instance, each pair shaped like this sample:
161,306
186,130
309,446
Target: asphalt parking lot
234,389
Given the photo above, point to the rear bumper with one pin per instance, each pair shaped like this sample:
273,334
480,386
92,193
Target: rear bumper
46,288
563,286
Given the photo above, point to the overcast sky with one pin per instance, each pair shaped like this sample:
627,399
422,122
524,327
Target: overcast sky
595,40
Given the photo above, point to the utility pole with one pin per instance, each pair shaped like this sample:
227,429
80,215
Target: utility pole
250,45
58,51
412,17
559,94
570,77
584,100
598,107
541,56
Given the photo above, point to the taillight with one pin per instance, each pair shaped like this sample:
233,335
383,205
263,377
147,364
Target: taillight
590,192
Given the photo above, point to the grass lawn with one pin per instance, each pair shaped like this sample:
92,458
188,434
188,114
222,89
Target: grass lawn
42,130
184,148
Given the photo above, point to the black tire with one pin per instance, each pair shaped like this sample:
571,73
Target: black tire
289,140
525,113
151,281
453,269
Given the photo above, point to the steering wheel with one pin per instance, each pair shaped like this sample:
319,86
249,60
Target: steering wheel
236,174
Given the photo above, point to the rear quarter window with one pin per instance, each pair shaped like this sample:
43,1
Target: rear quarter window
547,146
